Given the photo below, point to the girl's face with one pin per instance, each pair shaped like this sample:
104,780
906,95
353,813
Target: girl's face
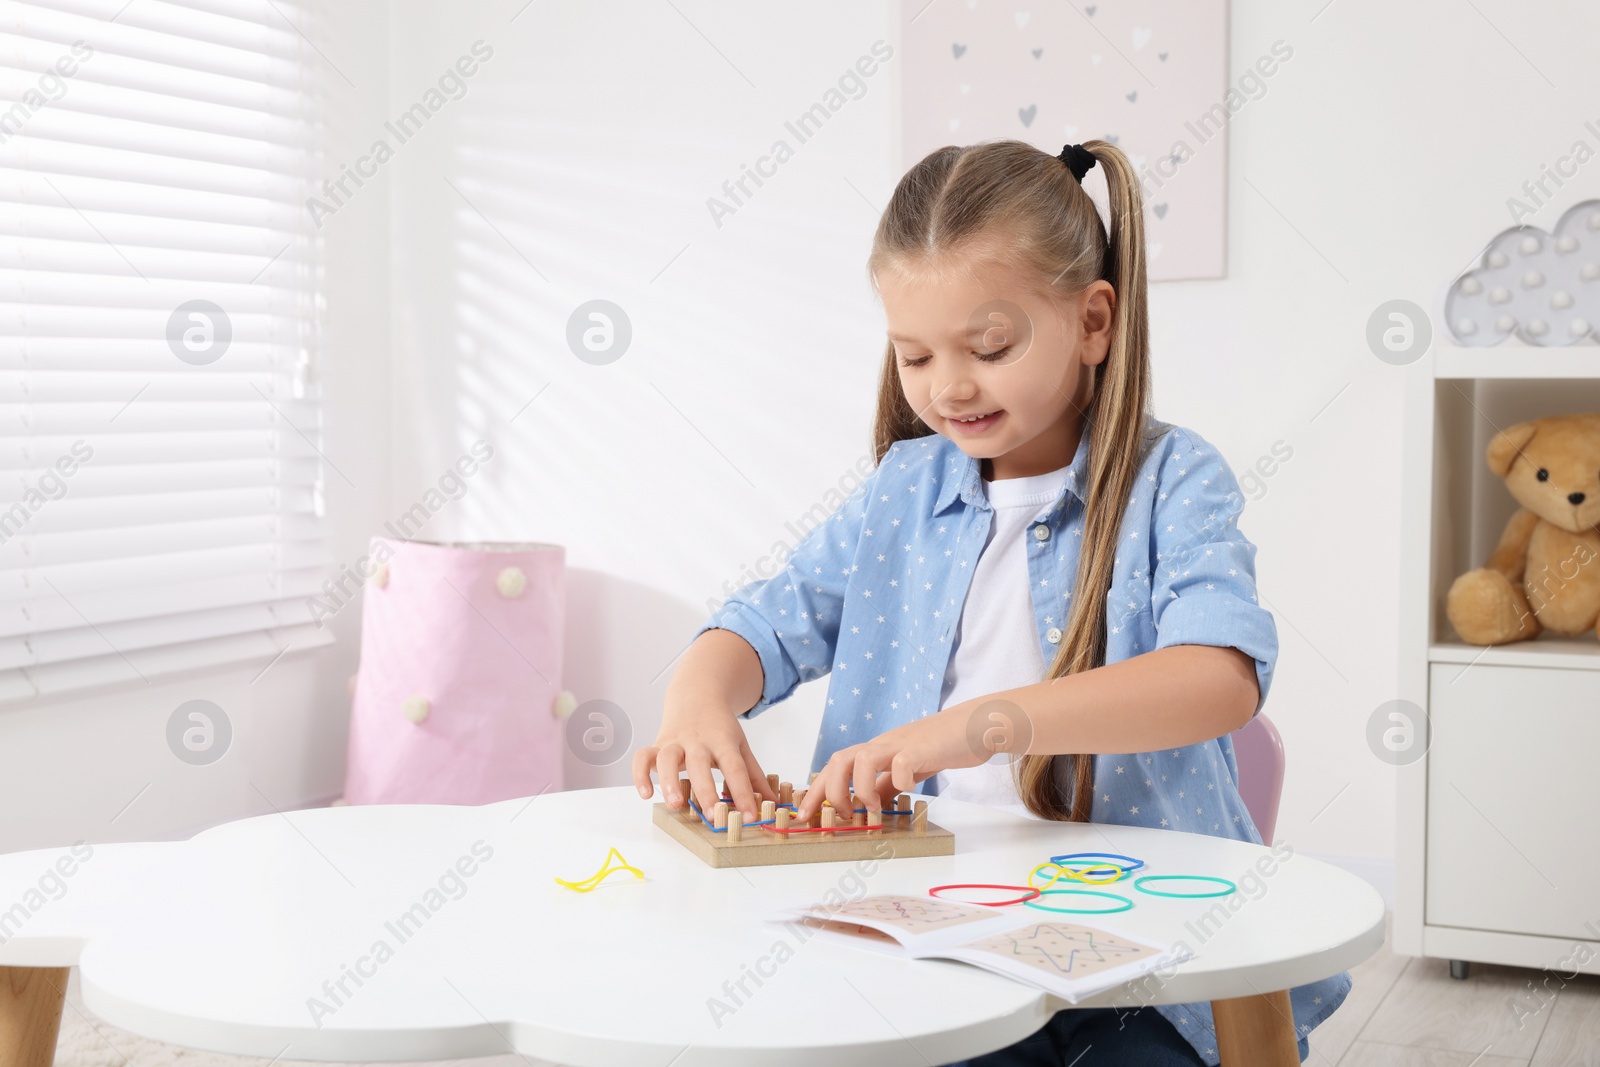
979,340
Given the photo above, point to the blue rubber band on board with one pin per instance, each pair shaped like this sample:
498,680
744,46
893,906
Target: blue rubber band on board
1126,903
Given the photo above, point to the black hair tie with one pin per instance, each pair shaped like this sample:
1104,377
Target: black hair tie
1078,159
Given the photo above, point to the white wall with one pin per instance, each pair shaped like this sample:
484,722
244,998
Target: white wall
577,166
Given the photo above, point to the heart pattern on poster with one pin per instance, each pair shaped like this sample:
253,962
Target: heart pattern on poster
1068,92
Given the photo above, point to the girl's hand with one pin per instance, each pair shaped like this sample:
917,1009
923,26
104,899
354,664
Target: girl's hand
895,761
699,736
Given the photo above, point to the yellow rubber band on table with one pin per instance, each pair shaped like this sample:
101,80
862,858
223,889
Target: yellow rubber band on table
1086,876
605,871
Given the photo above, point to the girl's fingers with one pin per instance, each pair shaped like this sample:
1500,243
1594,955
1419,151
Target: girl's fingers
825,789
705,787
817,792
669,761
838,791
642,760
737,780
886,790
901,774
814,795
866,783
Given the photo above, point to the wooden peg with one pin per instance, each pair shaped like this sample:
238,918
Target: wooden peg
786,792
782,823
772,782
735,825
799,798
900,802
719,815
813,778
767,807
828,818
858,818
919,818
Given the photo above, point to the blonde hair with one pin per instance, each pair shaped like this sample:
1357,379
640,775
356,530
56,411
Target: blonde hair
1009,198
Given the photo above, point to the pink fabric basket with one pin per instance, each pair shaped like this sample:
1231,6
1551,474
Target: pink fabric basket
455,700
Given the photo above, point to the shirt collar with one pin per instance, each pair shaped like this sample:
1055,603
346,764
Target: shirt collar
964,475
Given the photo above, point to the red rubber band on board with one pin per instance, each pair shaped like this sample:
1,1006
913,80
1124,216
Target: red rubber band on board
934,892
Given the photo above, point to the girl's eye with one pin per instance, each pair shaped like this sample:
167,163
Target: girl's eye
986,357
1543,475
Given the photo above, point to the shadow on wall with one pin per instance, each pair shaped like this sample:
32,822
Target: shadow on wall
515,217
623,640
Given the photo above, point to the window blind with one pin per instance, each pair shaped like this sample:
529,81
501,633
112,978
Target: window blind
161,471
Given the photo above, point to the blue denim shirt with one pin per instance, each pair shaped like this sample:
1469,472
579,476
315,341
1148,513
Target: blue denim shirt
872,596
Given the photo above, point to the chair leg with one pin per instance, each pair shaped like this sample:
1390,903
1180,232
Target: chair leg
31,999
1256,1031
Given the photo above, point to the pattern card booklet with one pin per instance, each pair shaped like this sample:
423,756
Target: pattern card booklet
1068,959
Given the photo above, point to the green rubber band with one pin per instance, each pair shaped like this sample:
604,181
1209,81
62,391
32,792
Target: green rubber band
1138,883
1126,903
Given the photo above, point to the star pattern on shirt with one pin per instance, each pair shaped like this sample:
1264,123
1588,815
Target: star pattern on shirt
1178,553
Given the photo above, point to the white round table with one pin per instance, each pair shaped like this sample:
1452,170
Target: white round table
406,932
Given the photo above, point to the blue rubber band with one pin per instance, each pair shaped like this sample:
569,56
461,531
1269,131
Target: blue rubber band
1126,903
1086,857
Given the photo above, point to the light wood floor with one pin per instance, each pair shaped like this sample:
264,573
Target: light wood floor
1405,1012
1401,1012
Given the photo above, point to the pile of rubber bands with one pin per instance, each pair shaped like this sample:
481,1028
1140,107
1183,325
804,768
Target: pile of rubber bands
1092,869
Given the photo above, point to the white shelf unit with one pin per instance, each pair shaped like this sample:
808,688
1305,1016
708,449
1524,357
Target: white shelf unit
1497,858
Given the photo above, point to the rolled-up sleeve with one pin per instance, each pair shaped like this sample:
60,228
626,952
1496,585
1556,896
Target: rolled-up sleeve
792,618
1203,588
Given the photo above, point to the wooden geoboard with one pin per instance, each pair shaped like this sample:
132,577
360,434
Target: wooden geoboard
827,837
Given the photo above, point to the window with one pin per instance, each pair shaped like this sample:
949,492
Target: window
159,306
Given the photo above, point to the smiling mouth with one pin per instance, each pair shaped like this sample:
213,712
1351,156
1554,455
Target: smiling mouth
968,425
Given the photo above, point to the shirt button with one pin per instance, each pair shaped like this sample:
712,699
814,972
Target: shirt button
1041,532
1053,635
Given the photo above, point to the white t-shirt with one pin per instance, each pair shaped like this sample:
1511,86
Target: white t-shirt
997,640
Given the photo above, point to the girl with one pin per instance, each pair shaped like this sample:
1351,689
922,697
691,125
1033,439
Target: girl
1040,597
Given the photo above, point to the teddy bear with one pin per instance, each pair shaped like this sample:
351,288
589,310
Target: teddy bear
1545,572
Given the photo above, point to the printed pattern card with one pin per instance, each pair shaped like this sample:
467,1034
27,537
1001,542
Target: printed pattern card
1068,959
